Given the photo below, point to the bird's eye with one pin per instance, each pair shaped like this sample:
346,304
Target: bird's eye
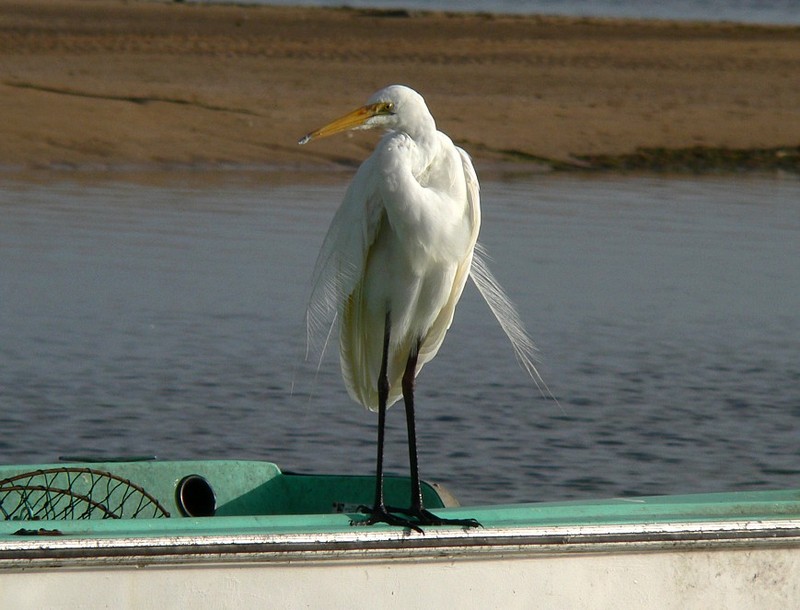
389,107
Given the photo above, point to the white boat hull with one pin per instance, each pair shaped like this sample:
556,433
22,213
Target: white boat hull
709,565
139,535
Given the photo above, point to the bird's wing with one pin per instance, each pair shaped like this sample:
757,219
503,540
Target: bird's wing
341,258
435,336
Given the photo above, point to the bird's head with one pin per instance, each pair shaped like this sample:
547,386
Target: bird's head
396,107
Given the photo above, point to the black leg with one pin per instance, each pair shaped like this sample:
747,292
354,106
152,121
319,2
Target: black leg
417,509
383,395
409,379
379,513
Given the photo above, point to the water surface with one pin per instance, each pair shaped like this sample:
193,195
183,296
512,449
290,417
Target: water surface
166,319
781,12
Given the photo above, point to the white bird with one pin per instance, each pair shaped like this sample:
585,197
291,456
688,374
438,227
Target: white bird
392,268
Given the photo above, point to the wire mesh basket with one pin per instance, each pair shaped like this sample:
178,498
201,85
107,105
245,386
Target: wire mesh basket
75,493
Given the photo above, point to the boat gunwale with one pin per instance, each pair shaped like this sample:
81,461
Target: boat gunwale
377,544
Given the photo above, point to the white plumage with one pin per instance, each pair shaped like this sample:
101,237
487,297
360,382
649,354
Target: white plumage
403,242
394,264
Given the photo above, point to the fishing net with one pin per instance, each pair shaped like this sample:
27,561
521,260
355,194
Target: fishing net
75,493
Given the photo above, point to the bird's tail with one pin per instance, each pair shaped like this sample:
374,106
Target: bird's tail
506,314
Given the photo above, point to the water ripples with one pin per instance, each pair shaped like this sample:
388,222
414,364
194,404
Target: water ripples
167,320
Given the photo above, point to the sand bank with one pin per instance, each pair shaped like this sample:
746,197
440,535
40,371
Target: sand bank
113,83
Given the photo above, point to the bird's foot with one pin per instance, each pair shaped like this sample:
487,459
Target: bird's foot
423,516
380,514
414,518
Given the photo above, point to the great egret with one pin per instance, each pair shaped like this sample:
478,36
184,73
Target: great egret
393,266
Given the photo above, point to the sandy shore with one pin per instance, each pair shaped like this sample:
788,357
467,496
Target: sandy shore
114,83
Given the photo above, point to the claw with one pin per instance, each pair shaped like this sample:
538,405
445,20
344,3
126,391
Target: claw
379,514
426,517
416,518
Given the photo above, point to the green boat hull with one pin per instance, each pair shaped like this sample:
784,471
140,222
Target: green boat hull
273,539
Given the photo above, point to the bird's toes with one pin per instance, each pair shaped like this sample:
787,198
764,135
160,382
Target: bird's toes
380,514
426,517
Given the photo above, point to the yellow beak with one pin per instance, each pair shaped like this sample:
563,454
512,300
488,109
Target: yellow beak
352,120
